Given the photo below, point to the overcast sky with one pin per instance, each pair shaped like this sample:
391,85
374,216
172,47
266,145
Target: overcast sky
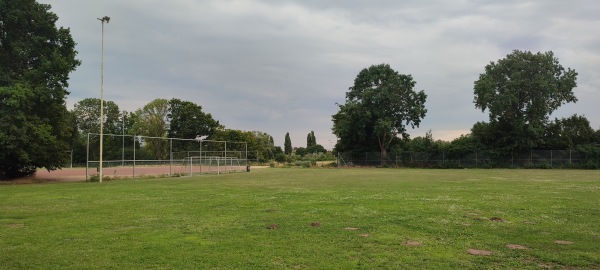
281,66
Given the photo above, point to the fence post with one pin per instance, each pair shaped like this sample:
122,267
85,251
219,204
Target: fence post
87,159
133,174
170,156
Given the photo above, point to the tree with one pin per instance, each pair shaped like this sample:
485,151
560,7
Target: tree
317,148
265,148
152,122
311,140
520,92
287,146
87,120
35,61
87,115
567,133
258,144
378,108
188,121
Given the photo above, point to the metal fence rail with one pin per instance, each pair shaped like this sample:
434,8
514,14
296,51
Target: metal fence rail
476,159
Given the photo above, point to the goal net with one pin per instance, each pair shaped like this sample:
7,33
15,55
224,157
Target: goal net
197,165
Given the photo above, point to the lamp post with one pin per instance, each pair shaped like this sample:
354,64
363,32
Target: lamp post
103,20
123,137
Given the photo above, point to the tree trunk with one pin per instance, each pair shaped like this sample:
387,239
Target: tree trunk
383,157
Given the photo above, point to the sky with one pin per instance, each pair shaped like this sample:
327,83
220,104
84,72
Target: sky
281,66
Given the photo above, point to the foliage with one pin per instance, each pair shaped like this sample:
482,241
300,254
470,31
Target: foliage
87,114
520,92
463,146
311,140
287,144
152,121
36,58
187,120
259,144
566,133
378,108
315,149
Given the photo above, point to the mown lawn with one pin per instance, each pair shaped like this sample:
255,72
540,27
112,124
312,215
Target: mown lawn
308,219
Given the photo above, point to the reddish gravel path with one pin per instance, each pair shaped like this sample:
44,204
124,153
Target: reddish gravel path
78,174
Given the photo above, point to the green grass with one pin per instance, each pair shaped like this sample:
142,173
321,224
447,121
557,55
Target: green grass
220,222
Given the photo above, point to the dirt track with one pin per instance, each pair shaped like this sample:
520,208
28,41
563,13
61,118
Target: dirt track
79,174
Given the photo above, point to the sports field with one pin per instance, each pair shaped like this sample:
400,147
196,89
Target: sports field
280,218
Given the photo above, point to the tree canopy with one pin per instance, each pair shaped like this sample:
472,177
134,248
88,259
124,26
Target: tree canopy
87,114
287,145
188,121
311,140
36,58
520,92
152,121
378,108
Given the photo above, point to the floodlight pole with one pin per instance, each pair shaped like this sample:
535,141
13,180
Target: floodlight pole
103,20
123,137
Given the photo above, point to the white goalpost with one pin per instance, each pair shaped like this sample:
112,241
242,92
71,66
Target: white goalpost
196,165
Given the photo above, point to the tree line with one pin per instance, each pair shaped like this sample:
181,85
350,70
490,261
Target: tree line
519,92
159,118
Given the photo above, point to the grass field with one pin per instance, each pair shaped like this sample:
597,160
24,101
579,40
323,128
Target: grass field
308,219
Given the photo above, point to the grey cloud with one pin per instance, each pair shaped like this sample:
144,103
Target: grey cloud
280,66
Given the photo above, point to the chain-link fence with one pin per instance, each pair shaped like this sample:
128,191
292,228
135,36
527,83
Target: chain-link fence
133,156
475,159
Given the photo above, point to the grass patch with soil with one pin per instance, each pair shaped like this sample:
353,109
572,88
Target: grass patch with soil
283,218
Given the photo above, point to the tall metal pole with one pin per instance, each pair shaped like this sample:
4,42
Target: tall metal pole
103,20
123,138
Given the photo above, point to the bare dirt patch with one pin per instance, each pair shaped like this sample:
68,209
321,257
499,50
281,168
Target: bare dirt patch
513,246
351,229
563,242
365,235
315,224
272,226
479,252
497,219
412,243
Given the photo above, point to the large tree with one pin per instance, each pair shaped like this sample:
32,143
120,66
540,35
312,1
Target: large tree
36,58
87,114
311,140
152,121
520,92
188,121
287,145
378,108
87,117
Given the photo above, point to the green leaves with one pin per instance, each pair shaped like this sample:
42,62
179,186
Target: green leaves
378,108
520,92
287,145
187,120
36,59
